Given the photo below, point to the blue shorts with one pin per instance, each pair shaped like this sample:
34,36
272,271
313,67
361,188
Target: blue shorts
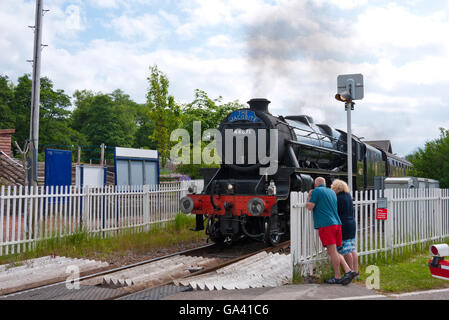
347,246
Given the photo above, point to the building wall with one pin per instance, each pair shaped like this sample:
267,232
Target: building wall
5,140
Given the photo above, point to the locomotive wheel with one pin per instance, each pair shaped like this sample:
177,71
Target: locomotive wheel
272,231
213,231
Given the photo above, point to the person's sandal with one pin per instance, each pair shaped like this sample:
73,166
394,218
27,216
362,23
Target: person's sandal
333,280
347,278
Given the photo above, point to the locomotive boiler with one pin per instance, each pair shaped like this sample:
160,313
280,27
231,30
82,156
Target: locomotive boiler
264,158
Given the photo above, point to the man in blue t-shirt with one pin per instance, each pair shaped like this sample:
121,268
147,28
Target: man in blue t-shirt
323,202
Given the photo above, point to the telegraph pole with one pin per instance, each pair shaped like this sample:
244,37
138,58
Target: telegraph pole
35,93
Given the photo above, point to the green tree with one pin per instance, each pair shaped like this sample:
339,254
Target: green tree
105,118
432,161
20,106
163,112
54,114
210,112
7,117
145,128
55,123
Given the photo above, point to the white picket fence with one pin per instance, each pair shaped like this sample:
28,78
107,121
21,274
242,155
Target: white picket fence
413,217
36,213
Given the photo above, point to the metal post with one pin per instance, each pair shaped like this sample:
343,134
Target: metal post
102,154
349,88
35,93
348,106
79,156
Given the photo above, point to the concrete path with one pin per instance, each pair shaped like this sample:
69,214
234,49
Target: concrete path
310,292
287,292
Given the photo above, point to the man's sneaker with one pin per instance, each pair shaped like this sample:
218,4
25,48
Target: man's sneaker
355,275
347,278
333,280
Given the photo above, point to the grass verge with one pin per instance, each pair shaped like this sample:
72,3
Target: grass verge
410,274
130,242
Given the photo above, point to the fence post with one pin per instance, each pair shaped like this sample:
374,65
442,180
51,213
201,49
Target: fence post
146,205
440,213
389,223
294,242
85,217
2,205
184,185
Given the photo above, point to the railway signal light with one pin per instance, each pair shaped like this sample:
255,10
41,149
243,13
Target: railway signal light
343,97
349,88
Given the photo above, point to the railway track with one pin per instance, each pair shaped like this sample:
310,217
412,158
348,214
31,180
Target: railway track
152,278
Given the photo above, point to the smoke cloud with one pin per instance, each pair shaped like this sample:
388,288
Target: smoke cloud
295,43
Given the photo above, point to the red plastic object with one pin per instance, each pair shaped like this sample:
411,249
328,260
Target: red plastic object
441,271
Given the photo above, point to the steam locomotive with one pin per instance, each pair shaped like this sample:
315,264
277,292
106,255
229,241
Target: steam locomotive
248,195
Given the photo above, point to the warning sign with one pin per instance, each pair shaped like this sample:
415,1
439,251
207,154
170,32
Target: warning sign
381,214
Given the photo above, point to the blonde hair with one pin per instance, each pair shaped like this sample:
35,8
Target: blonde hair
339,186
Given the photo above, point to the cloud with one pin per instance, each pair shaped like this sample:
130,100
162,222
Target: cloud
220,41
287,51
73,19
394,26
342,4
145,27
106,3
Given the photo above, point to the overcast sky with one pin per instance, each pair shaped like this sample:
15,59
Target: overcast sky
290,52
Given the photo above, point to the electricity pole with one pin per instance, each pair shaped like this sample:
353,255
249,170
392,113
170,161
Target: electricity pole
35,93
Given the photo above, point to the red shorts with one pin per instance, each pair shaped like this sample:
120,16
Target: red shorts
330,235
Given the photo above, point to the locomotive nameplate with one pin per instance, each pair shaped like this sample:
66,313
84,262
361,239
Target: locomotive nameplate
246,115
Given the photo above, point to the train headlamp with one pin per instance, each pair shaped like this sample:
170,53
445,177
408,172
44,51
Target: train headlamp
192,188
256,206
186,205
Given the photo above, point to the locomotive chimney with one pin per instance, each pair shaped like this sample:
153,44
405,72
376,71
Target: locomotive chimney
259,104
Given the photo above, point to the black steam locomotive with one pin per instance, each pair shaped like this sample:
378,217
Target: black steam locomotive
245,197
